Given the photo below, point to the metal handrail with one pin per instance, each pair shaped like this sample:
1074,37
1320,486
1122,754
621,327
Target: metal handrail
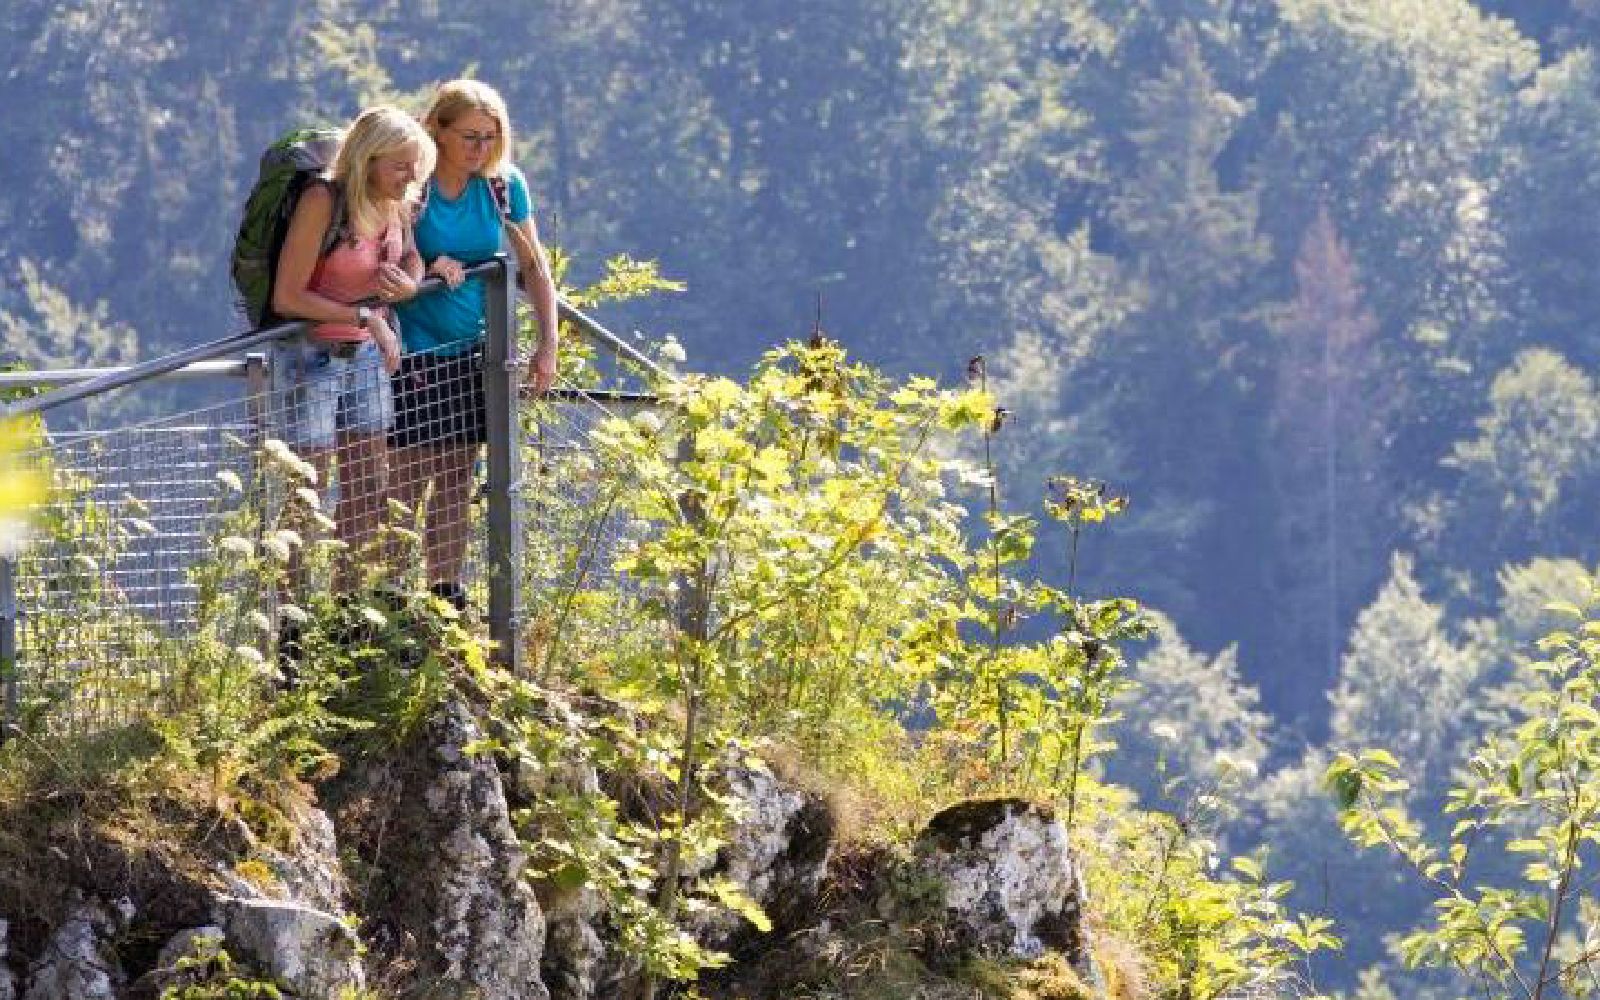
119,378
80,383
611,341
73,376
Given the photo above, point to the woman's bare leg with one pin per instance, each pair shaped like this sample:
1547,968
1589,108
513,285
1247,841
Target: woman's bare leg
363,493
447,529
411,472
449,525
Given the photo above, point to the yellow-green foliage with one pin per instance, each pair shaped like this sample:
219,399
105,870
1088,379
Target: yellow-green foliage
1201,926
1531,789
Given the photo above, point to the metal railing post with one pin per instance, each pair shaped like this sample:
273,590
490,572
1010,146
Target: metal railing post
258,374
501,380
10,667
258,383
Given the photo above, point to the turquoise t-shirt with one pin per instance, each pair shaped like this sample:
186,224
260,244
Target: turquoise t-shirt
468,229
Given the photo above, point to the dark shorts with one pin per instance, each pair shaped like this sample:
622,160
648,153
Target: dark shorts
439,400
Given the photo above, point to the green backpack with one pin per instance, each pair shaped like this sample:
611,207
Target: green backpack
288,166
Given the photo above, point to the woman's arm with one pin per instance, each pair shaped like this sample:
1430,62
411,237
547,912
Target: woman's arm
292,296
398,282
541,288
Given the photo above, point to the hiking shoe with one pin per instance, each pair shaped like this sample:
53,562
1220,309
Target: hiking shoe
289,652
452,593
352,629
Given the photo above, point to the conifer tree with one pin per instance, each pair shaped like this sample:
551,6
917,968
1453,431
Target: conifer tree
1404,682
1327,425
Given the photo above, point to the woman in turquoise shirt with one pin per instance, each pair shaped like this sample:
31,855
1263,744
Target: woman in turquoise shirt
474,196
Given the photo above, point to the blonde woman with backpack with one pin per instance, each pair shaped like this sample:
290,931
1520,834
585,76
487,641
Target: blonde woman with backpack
474,199
333,383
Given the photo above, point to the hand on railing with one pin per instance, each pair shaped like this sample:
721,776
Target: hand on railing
449,269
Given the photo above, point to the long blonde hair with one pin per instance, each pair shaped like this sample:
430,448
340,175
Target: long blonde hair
459,98
376,132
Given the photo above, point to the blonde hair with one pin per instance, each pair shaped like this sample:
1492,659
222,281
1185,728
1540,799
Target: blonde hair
459,98
376,132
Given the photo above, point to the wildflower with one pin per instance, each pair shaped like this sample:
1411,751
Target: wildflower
648,423
276,547
278,451
283,455
230,479
672,352
237,546
293,613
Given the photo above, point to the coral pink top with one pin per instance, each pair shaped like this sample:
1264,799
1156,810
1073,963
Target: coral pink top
349,273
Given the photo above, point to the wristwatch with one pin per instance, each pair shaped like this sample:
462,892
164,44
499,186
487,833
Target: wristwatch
363,316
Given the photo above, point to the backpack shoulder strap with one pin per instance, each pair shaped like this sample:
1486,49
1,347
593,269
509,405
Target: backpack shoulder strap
502,196
421,204
338,222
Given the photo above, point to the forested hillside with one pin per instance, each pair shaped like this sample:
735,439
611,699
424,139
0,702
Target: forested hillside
1310,281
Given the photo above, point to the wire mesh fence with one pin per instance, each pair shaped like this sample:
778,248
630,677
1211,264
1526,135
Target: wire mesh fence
386,474
579,522
104,594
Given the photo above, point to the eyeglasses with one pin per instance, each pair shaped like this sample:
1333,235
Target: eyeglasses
479,138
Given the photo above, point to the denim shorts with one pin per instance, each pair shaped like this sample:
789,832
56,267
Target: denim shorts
318,396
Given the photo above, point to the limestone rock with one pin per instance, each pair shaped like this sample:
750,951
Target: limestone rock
310,870
313,953
1010,884
778,850
455,906
573,952
777,853
184,944
307,870
78,962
